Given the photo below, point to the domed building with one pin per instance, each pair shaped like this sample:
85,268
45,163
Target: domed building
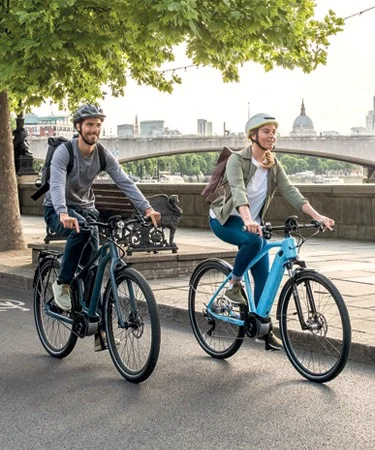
303,125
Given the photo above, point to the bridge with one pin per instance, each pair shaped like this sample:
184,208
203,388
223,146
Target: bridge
353,149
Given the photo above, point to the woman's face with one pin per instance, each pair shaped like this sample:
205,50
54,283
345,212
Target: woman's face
267,136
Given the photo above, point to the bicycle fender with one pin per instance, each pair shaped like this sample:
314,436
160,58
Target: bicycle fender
208,261
44,255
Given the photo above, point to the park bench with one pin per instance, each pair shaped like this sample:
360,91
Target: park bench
109,201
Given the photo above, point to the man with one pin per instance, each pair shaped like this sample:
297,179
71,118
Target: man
70,202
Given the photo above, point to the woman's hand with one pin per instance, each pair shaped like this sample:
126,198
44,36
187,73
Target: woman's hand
326,221
253,227
248,223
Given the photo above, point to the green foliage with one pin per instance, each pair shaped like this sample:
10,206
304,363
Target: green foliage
68,50
294,164
193,164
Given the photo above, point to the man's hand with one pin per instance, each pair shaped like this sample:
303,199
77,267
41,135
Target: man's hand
154,216
69,222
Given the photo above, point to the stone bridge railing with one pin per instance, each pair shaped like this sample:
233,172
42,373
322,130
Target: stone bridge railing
351,205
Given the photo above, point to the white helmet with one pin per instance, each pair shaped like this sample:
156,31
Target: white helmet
258,121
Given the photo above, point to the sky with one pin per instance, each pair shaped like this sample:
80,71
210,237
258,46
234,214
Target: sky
337,96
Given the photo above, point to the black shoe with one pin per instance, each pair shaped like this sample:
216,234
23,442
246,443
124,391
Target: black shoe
100,342
271,341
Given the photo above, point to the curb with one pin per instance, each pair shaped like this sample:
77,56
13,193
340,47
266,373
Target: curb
361,353
16,281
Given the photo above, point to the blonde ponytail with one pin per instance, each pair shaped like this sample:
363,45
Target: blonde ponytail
268,160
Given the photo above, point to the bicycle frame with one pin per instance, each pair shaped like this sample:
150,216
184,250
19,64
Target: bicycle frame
106,253
287,253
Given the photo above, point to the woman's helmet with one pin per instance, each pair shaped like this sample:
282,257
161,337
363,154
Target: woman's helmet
86,111
258,121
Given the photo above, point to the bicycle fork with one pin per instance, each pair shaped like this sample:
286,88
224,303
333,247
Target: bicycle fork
309,324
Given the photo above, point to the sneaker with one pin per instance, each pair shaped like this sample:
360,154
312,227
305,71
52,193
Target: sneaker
61,294
98,346
234,293
271,341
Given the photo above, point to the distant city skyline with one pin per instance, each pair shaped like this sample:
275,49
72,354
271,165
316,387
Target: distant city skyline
337,96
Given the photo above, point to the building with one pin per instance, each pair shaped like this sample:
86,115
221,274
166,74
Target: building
49,125
125,130
303,125
204,128
370,122
151,128
136,127
359,131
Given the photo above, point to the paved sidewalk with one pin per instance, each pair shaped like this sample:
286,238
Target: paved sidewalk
349,264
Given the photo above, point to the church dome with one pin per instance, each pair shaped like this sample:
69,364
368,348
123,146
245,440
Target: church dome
303,125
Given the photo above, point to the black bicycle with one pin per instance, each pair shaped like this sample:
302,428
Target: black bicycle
128,313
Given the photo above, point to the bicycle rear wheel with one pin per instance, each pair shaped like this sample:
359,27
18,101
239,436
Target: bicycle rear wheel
132,326
57,337
218,338
319,352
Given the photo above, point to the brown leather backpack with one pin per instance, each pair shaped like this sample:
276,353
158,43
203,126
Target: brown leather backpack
217,176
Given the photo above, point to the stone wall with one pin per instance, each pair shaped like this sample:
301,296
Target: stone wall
352,206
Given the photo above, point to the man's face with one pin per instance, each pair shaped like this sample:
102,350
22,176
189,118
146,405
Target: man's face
90,129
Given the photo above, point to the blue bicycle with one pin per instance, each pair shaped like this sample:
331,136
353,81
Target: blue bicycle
128,314
313,318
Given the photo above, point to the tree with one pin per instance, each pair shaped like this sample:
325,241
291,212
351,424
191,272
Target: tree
290,163
67,51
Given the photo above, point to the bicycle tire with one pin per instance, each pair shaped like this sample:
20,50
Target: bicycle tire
217,338
57,337
320,352
136,351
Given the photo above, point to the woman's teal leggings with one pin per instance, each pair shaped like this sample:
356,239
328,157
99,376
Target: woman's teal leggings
249,245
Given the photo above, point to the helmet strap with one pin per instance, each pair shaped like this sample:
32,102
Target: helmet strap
79,132
256,140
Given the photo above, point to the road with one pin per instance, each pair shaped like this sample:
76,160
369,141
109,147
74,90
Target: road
253,400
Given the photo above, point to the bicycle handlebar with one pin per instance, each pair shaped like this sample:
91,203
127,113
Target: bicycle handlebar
291,224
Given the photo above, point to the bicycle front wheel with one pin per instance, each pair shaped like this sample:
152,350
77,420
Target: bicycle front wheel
218,338
57,337
132,326
315,326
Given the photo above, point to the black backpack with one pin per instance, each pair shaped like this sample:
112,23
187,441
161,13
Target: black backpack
53,143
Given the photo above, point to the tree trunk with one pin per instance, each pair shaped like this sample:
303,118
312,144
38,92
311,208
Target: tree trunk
11,236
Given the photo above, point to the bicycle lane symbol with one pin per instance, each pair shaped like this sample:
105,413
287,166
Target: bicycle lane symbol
7,305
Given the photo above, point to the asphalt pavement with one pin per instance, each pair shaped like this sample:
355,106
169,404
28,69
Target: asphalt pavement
254,400
349,264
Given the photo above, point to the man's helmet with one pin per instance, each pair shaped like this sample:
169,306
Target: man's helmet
258,121
86,111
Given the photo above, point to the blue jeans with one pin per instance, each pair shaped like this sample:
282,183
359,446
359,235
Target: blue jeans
249,245
76,250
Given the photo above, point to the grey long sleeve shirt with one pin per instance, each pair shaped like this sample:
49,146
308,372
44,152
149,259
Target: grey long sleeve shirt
75,189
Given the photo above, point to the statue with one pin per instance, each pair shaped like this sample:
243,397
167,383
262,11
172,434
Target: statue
23,158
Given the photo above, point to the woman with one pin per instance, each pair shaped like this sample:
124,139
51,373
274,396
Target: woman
251,177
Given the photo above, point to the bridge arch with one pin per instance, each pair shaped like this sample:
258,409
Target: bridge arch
353,149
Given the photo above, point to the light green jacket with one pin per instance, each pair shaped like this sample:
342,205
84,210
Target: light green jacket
232,192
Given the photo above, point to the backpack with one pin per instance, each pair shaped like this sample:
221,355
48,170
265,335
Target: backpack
53,143
209,192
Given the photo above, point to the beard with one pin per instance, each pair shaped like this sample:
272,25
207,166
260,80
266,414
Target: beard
90,138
